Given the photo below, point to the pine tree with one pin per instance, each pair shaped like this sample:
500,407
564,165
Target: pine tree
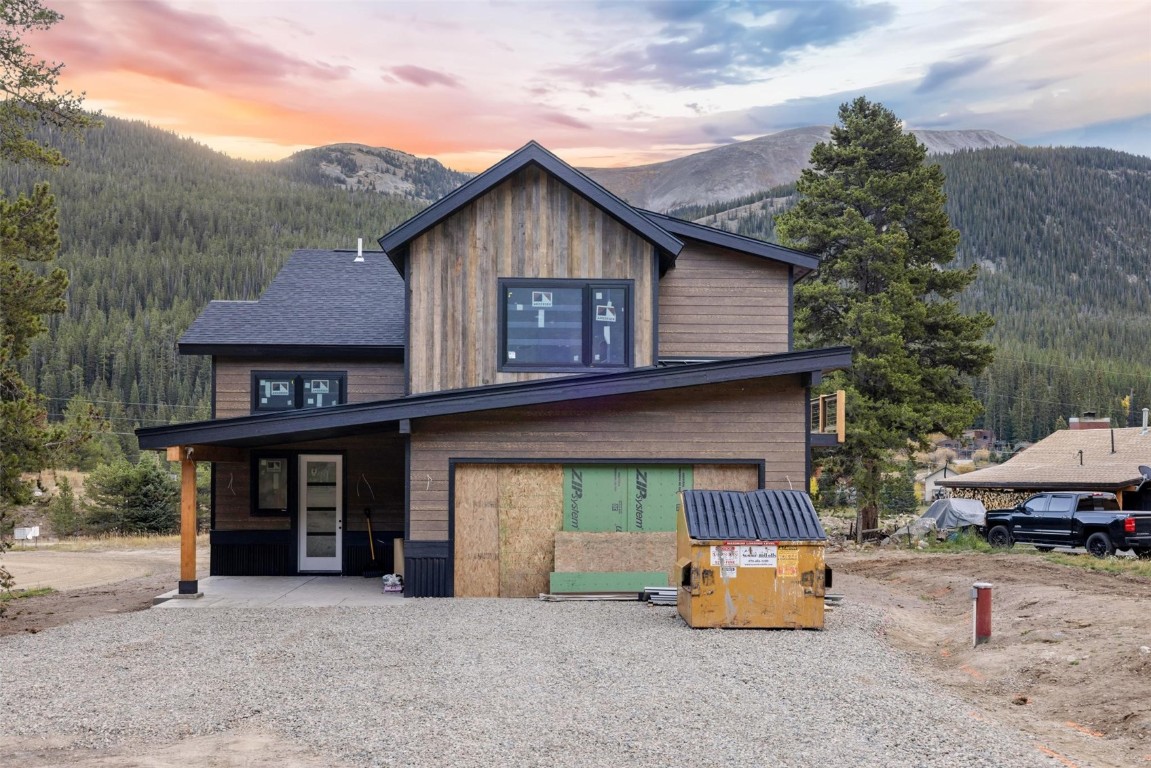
873,211
29,233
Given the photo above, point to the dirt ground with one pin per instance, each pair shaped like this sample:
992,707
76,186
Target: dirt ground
1069,661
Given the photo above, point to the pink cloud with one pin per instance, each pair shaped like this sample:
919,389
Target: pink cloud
567,121
424,78
182,47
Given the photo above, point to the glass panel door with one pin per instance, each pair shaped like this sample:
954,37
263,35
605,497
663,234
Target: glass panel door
321,513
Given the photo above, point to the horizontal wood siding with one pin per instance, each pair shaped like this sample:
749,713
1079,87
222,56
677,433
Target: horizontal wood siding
374,480
532,225
741,421
719,303
366,381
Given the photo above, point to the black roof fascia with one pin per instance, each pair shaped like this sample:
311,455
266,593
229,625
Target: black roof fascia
804,261
395,242
363,417
300,351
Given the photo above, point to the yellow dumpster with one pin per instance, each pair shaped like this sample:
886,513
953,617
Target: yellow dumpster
750,560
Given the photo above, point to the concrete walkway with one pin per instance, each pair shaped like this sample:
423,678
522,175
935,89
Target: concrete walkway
286,591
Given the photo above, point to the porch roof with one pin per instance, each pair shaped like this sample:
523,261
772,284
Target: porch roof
360,418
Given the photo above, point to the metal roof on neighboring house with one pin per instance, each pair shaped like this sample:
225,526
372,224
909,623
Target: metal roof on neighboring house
756,515
319,298
1070,459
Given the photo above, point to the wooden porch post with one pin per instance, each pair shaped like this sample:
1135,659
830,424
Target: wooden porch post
188,583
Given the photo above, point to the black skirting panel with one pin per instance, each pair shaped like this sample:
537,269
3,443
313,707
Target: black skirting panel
357,553
252,553
427,569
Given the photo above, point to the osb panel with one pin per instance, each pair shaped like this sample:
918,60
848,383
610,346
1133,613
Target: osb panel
477,544
530,513
614,552
725,477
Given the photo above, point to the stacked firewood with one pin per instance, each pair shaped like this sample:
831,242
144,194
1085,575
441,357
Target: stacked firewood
992,499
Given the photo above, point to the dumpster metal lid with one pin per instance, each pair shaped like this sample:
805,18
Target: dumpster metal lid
762,515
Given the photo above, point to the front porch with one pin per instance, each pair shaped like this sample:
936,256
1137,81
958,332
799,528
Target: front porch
283,592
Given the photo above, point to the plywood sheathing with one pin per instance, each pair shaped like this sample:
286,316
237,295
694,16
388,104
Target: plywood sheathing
578,552
477,561
530,514
725,477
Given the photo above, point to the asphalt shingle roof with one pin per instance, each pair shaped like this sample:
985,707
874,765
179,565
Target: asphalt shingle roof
318,298
1054,462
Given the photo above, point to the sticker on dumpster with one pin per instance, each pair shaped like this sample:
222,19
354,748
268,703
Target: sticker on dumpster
788,562
758,556
727,572
726,555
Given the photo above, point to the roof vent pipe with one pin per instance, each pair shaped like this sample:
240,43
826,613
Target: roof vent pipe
359,250
1145,412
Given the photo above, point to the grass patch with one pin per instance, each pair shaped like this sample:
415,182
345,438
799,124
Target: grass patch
18,594
1125,565
961,541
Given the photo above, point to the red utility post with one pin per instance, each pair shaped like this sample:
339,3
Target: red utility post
981,618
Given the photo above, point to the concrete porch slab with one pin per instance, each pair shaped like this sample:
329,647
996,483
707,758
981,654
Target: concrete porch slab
285,591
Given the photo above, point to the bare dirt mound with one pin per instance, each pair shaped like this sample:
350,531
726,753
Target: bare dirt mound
1070,656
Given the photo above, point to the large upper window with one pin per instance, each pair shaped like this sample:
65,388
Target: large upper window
563,324
288,390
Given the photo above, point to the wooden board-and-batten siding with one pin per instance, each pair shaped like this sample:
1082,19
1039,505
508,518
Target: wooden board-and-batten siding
530,226
508,538
762,420
719,303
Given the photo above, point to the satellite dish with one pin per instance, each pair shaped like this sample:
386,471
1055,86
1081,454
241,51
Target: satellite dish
1145,471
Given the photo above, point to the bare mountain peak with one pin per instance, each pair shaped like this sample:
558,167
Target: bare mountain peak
379,169
748,167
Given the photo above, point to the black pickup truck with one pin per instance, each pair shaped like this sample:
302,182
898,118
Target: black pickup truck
1071,519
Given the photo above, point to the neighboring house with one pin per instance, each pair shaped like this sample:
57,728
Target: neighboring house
1077,460
930,482
530,364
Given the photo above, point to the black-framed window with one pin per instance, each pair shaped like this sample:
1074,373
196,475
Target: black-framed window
565,324
272,488
291,390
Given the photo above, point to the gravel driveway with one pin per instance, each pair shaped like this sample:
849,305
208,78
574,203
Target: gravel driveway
500,682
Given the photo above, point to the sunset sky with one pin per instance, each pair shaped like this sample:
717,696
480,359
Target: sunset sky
602,83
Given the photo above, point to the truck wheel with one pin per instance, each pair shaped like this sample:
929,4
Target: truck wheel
999,537
1099,544
1044,549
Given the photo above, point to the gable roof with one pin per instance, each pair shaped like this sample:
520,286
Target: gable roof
1053,463
803,262
360,418
395,242
318,299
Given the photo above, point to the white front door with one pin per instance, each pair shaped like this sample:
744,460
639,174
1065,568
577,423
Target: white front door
321,513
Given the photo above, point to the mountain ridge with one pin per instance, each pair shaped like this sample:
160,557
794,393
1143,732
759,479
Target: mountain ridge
747,167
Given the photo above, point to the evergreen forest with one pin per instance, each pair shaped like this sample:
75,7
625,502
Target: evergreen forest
155,226
1062,238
